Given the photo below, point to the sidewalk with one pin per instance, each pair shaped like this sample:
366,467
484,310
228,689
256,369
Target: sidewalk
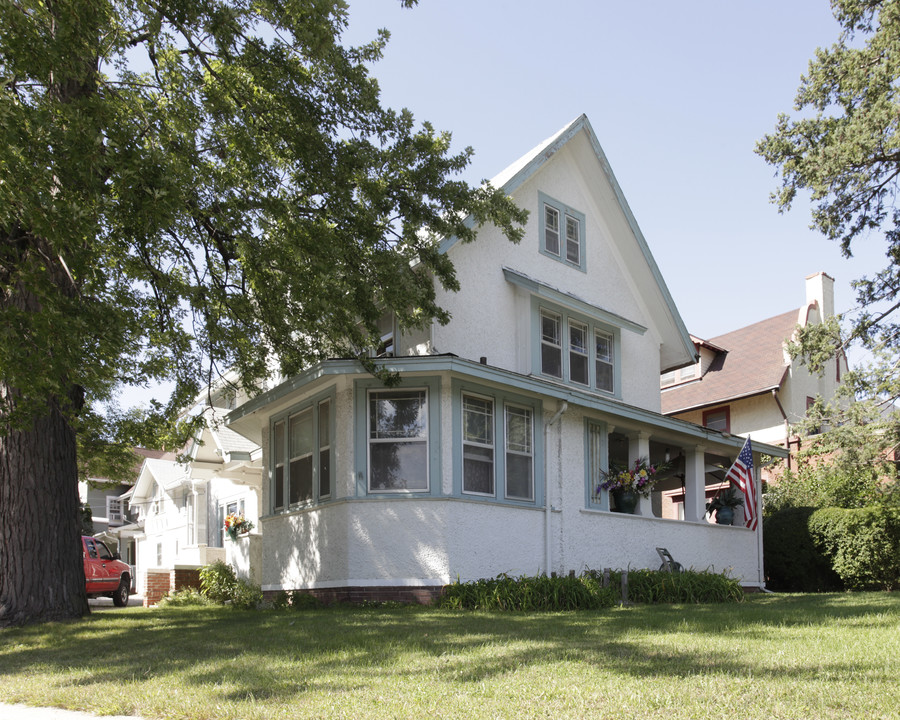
25,712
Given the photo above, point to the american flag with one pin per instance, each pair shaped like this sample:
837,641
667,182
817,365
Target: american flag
741,474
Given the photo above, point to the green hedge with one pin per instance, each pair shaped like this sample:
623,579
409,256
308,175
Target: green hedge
792,560
863,545
810,550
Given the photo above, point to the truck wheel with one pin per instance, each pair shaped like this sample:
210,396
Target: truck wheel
120,596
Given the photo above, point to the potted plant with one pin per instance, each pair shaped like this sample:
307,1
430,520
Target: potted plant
237,525
626,484
724,504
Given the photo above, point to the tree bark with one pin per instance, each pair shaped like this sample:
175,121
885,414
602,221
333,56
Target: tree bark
41,565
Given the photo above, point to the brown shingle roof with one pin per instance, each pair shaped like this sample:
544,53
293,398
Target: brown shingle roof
753,363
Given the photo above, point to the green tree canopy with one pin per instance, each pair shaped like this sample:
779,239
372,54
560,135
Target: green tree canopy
843,149
193,185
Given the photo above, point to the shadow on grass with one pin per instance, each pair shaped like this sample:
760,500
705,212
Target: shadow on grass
281,655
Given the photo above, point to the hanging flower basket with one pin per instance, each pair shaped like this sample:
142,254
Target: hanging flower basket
237,525
626,484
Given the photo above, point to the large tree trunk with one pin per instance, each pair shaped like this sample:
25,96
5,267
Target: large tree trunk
41,566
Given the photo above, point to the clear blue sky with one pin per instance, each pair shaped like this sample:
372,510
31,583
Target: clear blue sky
678,94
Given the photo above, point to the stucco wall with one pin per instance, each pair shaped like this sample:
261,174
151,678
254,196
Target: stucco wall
410,541
490,316
756,416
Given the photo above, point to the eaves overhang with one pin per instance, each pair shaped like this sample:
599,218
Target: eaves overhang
724,400
569,301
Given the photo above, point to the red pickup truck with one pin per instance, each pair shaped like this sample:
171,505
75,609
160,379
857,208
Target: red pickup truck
104,573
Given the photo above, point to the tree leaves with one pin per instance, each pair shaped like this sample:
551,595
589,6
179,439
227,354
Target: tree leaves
220,183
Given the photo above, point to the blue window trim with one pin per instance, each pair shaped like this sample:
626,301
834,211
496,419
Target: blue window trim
313,402
563,210
595,431
501,398
432,387
593,324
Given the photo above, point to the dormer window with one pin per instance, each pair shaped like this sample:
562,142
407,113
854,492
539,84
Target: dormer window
562,233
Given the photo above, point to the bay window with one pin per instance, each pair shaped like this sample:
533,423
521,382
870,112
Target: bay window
478,445
301,454
398,440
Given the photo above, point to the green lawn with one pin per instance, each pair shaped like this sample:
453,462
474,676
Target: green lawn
774,656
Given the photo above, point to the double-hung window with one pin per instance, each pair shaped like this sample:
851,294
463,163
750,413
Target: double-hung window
562,232
301,457
478,445
605,361
551,230
301,454
578,353
495,433
398,440
519,453
588,357
551,344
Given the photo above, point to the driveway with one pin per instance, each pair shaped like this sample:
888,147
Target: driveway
105,603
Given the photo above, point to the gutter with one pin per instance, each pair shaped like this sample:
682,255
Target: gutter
547,509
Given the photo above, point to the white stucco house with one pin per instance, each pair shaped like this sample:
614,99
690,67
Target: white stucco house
486,457
179,507
745,382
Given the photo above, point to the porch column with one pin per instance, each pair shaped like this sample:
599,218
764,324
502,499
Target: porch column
639,447
694,483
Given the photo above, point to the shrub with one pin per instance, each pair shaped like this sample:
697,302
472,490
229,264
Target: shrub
863,545
182,598
281,601
529,593
690,586
586,592
218,581
792,559
246,595
301,600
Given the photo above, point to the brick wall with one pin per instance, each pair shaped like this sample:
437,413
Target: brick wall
159,582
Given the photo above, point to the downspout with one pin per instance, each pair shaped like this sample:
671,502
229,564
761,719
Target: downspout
547,509
787,426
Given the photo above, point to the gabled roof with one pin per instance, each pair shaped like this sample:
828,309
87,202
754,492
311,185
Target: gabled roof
158,471
676,350
750,361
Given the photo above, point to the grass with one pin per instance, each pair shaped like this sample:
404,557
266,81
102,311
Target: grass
774,656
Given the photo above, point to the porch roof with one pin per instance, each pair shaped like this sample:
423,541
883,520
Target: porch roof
249,418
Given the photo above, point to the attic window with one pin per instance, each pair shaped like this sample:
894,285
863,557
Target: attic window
562,233
718,419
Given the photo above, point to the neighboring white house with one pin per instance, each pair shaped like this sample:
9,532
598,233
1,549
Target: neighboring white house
180,507
746,383
486,457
